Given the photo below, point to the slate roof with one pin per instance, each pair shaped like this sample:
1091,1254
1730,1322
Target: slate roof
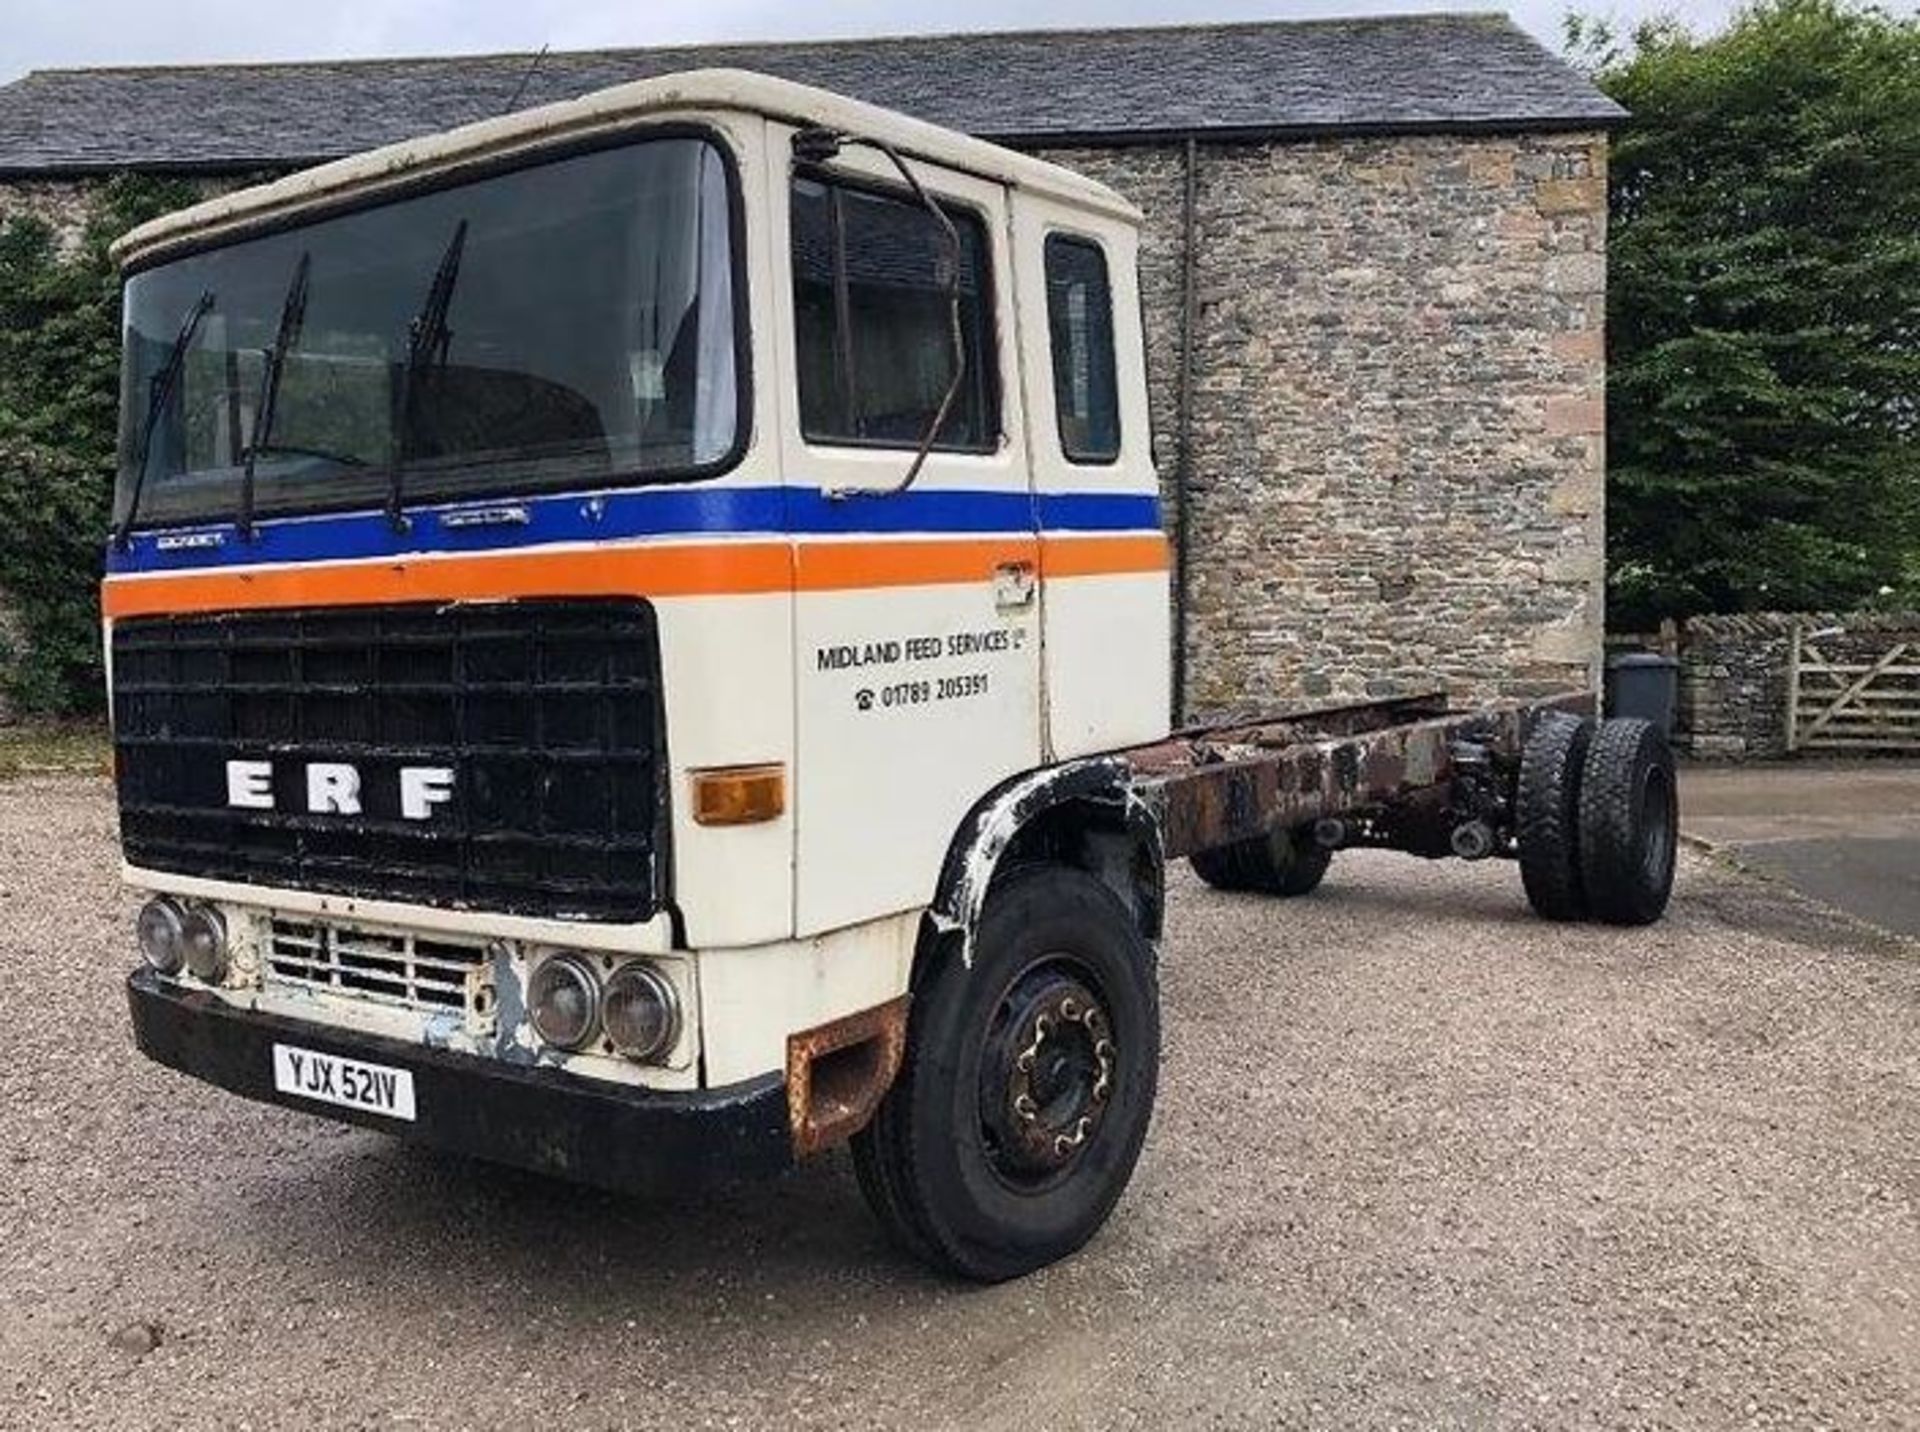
1387,75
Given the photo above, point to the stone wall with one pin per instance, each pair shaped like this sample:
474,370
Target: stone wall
1733,686
62,203
1733,674
1398,468
67,204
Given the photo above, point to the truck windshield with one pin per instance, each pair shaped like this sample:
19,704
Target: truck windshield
590,340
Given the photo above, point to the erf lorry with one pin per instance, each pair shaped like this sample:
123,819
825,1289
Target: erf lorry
638,643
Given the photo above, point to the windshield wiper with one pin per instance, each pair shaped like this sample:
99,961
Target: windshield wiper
158,396
273,362
428,339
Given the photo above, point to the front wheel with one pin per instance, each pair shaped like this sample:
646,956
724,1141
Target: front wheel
1027,1085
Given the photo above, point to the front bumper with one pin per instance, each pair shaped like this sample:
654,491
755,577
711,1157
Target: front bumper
548,1120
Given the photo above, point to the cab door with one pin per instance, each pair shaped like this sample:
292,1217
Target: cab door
916,613
1103,553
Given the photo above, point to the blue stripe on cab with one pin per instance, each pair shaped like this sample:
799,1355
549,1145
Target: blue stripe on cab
502,524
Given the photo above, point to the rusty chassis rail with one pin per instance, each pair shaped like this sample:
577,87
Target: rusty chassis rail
1402,773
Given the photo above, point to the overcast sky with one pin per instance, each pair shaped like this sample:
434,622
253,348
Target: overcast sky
40,34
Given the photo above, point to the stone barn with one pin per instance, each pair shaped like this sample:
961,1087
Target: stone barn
1374,271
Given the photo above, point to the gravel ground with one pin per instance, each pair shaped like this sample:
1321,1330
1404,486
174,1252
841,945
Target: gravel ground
1420,1160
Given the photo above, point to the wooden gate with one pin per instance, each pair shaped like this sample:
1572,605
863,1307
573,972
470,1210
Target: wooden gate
1865,698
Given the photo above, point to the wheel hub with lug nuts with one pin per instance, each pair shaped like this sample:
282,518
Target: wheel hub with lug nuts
1048,1075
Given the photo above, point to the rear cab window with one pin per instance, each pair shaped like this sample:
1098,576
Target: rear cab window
1086,392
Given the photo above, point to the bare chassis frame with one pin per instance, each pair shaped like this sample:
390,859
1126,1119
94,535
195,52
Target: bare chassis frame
1401,772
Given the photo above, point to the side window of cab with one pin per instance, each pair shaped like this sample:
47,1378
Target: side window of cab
873,323
1086,393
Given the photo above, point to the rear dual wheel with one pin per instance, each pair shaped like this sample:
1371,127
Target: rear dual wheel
1547,815
1597,818
1629,823
1284,862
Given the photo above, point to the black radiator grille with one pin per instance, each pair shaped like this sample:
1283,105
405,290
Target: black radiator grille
546,712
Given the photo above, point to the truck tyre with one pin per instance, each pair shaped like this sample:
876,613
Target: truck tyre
1629,822
1027,1084
1284,862
1547,815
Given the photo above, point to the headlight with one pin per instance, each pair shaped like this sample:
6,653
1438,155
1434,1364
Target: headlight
204,940
159,932
641,1011
563,1000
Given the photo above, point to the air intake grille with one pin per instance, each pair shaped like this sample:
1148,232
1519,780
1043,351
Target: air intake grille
546,713
395,968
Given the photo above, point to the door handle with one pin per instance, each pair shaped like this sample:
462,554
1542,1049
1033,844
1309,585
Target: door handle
1014,586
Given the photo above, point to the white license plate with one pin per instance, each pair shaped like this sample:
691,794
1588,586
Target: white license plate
346,1082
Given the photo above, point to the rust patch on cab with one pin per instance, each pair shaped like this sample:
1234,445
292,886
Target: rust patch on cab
837,1074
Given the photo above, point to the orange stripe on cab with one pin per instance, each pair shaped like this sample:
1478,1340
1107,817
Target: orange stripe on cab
1102,556
667,571
848,566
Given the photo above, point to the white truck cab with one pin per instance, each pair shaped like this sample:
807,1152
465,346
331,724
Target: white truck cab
638,643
